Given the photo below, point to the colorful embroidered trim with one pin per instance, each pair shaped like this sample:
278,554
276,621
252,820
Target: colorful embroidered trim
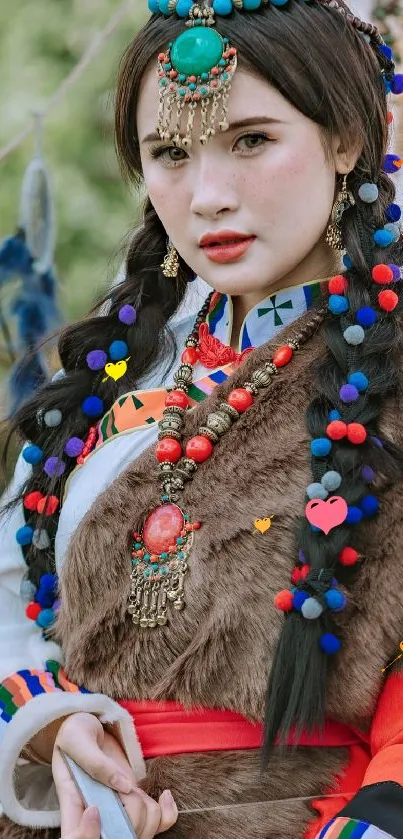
343,828
145,407
18,689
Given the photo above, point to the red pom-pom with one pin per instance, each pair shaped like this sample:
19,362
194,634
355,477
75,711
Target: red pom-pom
348,556
283,355
338,284
284,600
168,449
240,399
177,398
305,571
199,448
48,505
32,611
295,575
382,274
356,433
31,500
388,300
336,430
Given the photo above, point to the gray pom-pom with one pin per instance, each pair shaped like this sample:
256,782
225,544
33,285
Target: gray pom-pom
331,481
311,609
27,591
368,193
41,540
316,491
53,418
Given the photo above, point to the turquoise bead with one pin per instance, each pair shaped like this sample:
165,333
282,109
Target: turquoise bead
167,66
146,557
251,5
147,572
179,540
183,7
164,7
163,82
155,566
278,2
196,51
193,86
222,62
182,77
164,556
181,555
138,545
222,7
204,77
153,6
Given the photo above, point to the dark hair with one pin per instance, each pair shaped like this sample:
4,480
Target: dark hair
324,67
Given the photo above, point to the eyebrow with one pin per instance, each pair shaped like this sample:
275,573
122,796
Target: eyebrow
240,123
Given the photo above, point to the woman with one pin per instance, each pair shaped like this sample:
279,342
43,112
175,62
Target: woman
174,479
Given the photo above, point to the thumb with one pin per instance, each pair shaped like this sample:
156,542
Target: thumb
90,825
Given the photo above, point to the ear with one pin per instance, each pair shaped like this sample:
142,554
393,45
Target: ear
345,154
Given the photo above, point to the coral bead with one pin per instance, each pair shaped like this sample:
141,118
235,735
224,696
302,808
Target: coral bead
168,449
356,433
48,505
240,399
177,398
284,601
336,430
348,556
282,356
388,300
199,448
190,356
338,285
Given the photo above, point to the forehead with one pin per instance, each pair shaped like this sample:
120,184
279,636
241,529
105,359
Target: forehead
250,96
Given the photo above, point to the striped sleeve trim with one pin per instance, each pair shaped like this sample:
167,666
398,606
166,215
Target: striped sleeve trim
20,687
343,828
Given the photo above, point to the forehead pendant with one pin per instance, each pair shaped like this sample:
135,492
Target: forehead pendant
195,71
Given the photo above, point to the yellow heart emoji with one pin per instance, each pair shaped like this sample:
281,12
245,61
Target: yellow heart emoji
263,524
116,371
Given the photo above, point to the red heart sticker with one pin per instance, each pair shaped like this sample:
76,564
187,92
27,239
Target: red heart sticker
326,514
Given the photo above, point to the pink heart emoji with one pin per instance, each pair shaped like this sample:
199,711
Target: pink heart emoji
326,514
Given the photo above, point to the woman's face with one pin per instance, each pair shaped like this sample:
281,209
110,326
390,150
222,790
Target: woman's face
269,179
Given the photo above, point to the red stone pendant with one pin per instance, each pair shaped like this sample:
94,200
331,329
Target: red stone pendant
159,564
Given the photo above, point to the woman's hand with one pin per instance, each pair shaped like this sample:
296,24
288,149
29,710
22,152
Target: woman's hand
84,739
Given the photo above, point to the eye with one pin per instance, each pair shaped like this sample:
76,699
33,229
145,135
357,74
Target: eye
169,155
253,141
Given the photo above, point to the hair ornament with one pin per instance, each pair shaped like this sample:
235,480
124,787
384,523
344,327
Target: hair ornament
32,455
354,335
391,163
388,300
393,212
53,419
366,316
383,238
368,193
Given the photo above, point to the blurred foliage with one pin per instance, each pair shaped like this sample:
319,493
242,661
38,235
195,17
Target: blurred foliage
40,43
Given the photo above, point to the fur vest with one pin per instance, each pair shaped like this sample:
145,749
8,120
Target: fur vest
217,652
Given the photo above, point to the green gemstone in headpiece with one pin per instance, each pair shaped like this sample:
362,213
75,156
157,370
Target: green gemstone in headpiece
197,51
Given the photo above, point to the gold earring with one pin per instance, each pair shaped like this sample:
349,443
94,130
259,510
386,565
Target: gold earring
170,265
344,201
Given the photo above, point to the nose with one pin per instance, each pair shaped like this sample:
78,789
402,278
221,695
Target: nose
213,190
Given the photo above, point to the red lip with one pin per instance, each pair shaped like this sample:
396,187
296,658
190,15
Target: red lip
222,237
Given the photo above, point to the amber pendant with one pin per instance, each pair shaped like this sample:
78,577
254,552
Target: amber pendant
159,565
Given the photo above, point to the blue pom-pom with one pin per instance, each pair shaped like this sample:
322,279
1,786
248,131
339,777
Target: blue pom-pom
153,6
329,644
92,406
393,212
347,261
369,505
321,447
354,515
48,582
397,84
387,85
46,618
335,599
386,51
299,600
44,598
334,415
118,350
383,238
338,304
24,535
32,455
358,380
366,316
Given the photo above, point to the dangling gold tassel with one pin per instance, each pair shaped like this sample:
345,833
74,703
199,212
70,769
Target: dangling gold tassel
344,201
170,265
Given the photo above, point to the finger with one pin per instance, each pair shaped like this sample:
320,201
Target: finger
157,817
89,827
88,754
70,802
169,811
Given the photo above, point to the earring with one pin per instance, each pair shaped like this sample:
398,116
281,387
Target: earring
170,265
343,202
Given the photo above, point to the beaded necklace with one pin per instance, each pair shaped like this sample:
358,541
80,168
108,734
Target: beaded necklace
160,551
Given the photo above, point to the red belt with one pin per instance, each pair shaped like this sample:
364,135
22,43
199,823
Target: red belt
167,728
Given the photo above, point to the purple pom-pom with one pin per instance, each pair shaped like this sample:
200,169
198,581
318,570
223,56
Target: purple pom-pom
349,393
329,643
56,605
96,359
377,442
128,315
391,163
54,467
301,557
395,271
367,474
397,84
74,447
